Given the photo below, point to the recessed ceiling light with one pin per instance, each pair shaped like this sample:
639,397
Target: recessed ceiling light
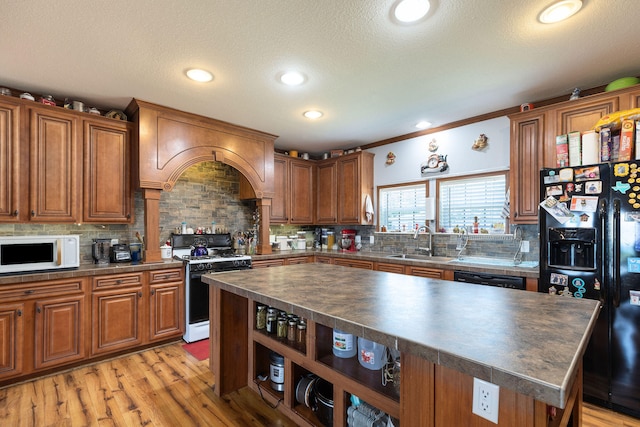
292,78
411,10
199,75
313,114
423,124
560,11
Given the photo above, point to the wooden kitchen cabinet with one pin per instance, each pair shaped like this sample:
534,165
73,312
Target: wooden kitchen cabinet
389,267
11,169
55,165
527,158
343,184
355,182
116,312
267,263
533,142
107,195
11,339
293,201
327,192
166,303
59,331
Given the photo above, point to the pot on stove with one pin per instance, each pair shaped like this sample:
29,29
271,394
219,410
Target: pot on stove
199,247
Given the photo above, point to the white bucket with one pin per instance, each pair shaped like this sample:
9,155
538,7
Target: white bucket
343,345
371,355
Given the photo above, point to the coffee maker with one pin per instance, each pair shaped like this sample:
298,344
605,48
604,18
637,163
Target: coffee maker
100,251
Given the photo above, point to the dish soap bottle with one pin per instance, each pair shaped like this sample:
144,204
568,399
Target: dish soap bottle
476,225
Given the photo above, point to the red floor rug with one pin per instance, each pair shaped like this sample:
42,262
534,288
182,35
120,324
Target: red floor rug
198,349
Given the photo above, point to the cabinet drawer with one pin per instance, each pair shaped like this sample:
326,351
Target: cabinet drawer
324,259
267,263
299,260
40,289
431,273
117,281
166,275
391,268
367,265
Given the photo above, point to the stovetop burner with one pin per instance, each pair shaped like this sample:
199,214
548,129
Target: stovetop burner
210,258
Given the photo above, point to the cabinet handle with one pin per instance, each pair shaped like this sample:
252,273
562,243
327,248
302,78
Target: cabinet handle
29,292
33,213
140,294
119,282
15,213
39,309
128,216
153,291
19,313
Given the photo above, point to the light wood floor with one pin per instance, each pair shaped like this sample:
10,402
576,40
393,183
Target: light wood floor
164,386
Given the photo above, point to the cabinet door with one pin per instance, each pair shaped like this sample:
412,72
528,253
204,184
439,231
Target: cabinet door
580,118
348,191
116,319
54,166
9,162
11,340
327,193
527,154
107,176
279,209
391,268
166,310
301,196
268,263
59,326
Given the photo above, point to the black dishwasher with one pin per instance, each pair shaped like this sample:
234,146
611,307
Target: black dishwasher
501,281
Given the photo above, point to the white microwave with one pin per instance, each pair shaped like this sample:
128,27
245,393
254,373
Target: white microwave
22,254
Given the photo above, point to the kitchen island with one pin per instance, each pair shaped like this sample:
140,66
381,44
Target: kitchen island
529,344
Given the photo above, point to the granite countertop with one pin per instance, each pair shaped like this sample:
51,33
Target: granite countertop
87,270
445,263
527,341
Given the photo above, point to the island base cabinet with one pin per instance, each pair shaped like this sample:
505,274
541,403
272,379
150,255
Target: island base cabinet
431,395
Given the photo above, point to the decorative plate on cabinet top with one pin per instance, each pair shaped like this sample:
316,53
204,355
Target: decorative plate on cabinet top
116,114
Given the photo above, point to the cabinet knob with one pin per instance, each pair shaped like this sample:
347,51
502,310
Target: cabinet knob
33,213
29,291
39,309
119,282
15,213
128,216
19,313
140,294
153,291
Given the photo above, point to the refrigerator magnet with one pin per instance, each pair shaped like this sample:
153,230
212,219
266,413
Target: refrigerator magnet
566,175
588,173
634,297
596,284
633,265
593,187
584,203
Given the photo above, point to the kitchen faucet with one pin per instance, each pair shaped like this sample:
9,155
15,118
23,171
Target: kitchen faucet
425,228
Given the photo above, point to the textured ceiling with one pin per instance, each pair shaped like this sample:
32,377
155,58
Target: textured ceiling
373,79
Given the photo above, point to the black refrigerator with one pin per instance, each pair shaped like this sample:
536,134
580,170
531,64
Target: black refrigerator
590,248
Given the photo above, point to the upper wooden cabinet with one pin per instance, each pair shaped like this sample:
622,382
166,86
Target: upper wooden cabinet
107,177
293,200
343,184
533,139
10,160
327,193
45,150
55,165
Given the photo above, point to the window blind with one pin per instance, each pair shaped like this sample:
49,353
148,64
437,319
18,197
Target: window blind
401,208
461,200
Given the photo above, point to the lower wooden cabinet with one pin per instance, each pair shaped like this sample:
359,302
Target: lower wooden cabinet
59,331
390,268
166,304
11,339
52,324
432,273
267,263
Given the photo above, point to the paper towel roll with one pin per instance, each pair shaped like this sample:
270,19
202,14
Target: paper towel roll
590,148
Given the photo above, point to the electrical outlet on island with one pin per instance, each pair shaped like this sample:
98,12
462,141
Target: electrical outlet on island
486,397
